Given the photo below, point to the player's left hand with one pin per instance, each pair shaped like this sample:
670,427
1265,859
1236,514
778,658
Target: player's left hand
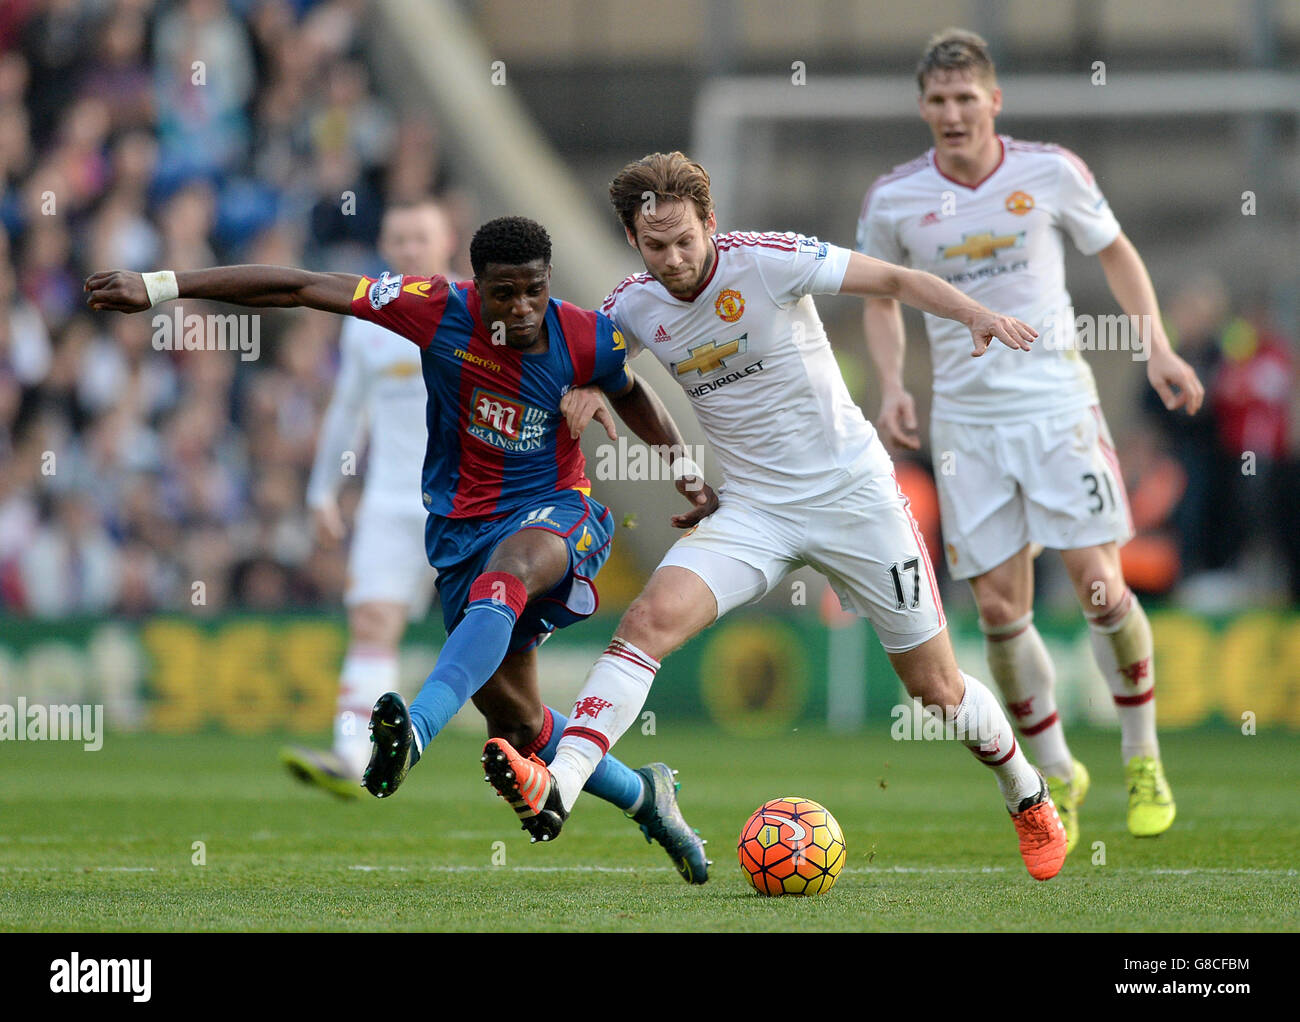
986,326
699,493
1166,371
582,404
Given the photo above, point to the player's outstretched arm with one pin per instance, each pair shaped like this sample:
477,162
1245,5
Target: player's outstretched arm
882,321
649,419
1126,275
280,287
645,414
875,278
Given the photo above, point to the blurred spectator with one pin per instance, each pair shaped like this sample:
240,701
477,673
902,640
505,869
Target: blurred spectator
137,134
71,567
1196,315
1155,483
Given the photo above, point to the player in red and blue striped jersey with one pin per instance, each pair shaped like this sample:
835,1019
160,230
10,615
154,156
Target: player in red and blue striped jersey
512,529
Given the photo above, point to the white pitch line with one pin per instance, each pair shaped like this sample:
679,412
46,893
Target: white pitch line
510,869
856,870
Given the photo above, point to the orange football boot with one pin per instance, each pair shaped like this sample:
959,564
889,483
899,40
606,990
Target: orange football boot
1042,835
527,785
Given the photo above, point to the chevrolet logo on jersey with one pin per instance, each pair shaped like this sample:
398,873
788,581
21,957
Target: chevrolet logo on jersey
710,356
981,246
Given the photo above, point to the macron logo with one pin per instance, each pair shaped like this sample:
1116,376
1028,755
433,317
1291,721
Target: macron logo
102,976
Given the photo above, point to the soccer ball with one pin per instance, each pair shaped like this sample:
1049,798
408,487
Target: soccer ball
791,846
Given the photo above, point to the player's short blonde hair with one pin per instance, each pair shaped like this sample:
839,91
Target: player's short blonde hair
666,176
957,49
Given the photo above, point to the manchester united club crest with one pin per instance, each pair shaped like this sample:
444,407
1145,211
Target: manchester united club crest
1019,203
730,306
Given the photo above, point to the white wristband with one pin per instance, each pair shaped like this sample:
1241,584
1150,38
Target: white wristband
684,467
160,286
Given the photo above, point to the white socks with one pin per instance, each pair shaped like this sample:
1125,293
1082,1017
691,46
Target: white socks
984,729
1122,646
368,672
609,703
1024,672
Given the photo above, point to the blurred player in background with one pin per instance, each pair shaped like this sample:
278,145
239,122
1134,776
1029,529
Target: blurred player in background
732,319
379,392
1022,454
511,527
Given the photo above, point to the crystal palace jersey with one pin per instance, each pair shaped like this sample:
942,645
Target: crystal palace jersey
1003,243
751,353
496,435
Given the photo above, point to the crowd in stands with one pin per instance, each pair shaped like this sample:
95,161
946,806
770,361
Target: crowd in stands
141,135
180,135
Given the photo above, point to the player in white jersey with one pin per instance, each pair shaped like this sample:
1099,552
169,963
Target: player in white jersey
1023,458
379,393
807,482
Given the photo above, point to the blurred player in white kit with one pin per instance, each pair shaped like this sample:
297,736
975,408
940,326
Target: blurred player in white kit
1023,457
380,392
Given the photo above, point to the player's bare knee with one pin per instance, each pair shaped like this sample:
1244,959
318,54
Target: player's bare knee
651,622
937,688
997,610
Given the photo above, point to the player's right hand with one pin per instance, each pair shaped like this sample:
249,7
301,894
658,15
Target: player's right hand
986,326
699,493
327,523
117,291
582,404
897,420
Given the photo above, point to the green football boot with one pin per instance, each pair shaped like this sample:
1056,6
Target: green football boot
1068,796
661,820
1150,802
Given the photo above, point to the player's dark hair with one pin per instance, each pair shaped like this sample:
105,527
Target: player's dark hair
509,240
665,176
956,49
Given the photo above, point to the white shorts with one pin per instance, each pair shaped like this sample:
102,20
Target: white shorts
1053,481
865,542
388,561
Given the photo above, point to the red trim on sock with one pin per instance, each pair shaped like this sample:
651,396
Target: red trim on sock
1042,725
995,762
623,654
543,736
1138,700
1117,613
490,583
595,737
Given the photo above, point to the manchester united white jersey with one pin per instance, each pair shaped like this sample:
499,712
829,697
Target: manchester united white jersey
1003,243
751,353
380,383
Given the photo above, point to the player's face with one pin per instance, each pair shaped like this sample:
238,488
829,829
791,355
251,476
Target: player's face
417,241
515,297
674,245
960,108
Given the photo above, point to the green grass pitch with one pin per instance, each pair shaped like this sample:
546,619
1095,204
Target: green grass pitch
106,840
